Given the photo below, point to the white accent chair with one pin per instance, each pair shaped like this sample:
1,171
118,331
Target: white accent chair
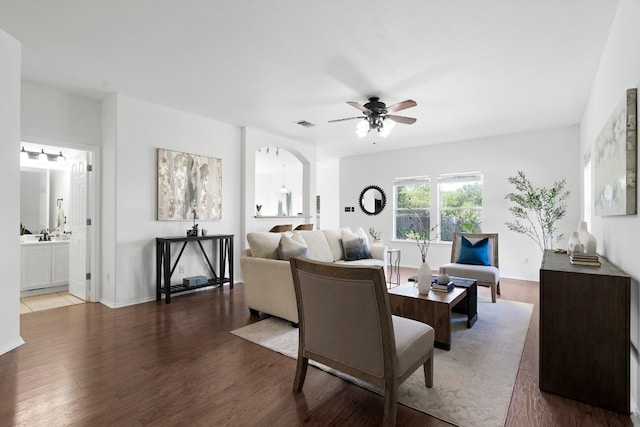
485,275
346,324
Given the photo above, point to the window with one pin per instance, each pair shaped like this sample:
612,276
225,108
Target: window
460,204
412,203
587,190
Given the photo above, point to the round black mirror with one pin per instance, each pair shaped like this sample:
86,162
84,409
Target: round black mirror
372,200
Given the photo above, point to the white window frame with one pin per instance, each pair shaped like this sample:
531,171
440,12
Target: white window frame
587,185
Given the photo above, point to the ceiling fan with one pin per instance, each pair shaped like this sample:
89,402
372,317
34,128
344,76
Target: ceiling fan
376,114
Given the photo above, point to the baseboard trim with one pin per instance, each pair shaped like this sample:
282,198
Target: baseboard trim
11,345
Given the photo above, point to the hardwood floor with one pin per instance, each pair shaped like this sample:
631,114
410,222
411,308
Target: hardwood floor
155,364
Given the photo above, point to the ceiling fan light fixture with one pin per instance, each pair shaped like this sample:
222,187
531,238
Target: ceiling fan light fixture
362,128
376,115
385,130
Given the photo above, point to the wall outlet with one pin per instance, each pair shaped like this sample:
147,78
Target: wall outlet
181,269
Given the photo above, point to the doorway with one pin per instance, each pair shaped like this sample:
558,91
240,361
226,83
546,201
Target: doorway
61,235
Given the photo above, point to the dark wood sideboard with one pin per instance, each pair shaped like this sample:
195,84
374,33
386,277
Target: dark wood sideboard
585,332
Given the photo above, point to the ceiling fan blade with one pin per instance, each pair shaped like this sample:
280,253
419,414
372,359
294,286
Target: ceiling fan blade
401,119
348,118
402,105
359,107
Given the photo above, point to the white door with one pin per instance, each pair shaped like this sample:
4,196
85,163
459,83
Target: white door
79,257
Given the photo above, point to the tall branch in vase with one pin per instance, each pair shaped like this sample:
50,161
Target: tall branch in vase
420,233
537,209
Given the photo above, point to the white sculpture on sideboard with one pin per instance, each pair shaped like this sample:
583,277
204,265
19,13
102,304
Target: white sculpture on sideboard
587,239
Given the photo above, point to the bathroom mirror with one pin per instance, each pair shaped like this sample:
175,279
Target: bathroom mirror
372,200
43,198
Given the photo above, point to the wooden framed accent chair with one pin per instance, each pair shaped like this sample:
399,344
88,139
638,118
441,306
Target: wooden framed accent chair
475,256
281,228
346,323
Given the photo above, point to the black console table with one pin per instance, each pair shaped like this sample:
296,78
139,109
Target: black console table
164,269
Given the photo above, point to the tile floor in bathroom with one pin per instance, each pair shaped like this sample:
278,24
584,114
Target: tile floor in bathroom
47,301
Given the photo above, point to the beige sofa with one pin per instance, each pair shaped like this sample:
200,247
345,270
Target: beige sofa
268,284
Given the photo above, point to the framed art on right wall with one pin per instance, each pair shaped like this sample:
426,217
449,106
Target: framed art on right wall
615,161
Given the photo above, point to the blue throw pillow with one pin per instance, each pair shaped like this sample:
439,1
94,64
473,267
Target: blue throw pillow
474,253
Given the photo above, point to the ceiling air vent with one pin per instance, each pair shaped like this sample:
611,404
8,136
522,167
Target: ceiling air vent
305,123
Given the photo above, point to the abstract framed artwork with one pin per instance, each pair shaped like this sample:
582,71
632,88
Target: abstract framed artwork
189,184
615,161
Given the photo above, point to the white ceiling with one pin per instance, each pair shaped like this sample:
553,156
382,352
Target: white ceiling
475,68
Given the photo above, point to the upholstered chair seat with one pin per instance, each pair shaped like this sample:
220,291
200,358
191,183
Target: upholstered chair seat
474,259
346,324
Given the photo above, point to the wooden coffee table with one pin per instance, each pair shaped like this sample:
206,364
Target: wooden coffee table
433,309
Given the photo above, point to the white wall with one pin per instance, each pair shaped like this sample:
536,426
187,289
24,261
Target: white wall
10,173
544,157
56,115
140,129
328,185
617,235
109,202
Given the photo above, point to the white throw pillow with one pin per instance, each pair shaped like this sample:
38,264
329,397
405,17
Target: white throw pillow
264,244
319,249
360,232
335,243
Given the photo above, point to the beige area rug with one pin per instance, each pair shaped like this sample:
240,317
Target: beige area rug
473,382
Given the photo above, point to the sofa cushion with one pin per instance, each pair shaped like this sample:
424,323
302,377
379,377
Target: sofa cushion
289,248
264,244
335,243
474,253
355,245
319,249
369,262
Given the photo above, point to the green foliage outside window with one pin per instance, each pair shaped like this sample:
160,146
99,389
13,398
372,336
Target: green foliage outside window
413,208
461,210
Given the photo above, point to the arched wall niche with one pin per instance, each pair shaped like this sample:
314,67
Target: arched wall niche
280,184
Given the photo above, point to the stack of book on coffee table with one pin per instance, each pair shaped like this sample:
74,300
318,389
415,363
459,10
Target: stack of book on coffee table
590,259
441,288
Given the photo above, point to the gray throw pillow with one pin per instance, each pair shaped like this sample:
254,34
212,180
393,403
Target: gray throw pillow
355,246
289,248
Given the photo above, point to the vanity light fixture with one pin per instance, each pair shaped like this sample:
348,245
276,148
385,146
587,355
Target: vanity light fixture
34,155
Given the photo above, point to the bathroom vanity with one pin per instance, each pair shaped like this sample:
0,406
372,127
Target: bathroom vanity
44,264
